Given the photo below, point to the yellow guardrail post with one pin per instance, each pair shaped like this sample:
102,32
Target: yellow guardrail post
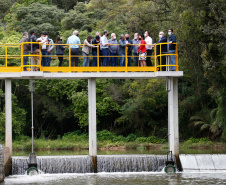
22,56
126,59
40,57
6,57
98,59
176,57
155,59
69,46
160,55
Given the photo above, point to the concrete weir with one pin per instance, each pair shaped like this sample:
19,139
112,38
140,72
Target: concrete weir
171,78
85,164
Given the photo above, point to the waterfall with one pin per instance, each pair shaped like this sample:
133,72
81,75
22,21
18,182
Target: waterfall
203,162
84,164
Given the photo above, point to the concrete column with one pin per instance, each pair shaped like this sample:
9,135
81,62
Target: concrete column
2,171
173,129
92,122
8,125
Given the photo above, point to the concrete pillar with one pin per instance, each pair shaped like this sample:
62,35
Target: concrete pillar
92,122
173,129
8,125
2,171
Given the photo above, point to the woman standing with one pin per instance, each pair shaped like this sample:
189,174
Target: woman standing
59,50
142,51
86,50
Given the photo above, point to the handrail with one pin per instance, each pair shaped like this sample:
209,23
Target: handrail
10,51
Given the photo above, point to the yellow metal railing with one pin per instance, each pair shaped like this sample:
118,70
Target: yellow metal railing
12,60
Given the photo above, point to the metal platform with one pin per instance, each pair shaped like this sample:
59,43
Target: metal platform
87,75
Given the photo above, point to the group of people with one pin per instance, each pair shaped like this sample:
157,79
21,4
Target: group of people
140,47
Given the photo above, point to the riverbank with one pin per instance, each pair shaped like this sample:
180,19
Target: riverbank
45,145
109,141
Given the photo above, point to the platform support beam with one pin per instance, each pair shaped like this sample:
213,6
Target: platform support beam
8,126
92,122
173,129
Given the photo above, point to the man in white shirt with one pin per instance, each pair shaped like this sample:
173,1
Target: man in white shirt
104,47
148,40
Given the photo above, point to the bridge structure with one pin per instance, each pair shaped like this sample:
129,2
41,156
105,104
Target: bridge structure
12,67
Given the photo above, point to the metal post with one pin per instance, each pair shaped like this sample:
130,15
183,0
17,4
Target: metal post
32,113
92,122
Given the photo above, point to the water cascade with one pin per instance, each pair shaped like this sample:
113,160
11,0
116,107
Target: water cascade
203,162
84,164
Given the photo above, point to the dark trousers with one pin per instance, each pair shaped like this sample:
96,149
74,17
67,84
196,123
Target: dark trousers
74,60
114,60
60,60
163,63
25,59
94,53
105,53
136,59
44,58
129,59
148,61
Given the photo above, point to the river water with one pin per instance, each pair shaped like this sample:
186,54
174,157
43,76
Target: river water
135,178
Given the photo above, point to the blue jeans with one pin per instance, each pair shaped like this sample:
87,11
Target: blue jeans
94,53
44,59
25,59
173,60
129,59
114,60
86,60
105,52
48,59
122,59
136,59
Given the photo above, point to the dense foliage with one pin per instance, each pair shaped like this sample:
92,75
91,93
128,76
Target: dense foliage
125,107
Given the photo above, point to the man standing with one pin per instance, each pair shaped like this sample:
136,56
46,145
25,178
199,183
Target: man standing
74,48
43,49
129,49
172,49
135,48
35,50
162,39
148,40
104,47
96,42
122,46
25,49
49,49
113,48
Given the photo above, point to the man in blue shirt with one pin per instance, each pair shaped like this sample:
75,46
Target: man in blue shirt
113,48
129,49
172,49
75,41
135,48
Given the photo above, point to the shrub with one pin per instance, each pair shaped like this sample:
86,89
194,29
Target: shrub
131,137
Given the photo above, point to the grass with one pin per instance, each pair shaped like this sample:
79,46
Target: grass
108,141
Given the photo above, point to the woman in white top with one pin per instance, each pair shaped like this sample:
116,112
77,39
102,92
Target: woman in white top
86,50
